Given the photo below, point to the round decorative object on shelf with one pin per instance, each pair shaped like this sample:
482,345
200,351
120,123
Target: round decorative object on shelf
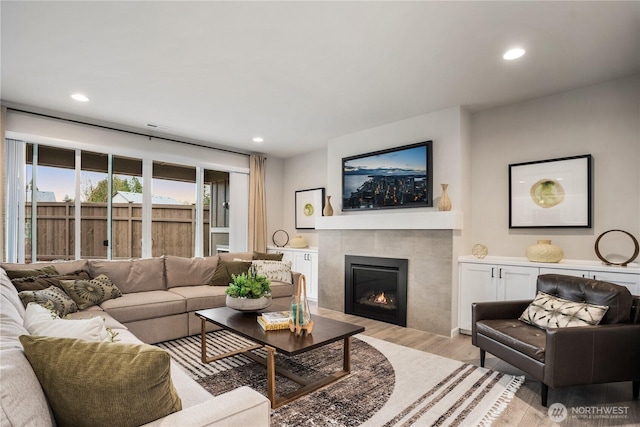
479,251
248,304
636,250
299,242
280,238
544,251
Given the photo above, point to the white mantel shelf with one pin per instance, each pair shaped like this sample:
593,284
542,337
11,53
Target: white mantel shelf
429,220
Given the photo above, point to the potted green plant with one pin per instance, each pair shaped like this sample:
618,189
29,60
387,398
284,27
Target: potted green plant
249,291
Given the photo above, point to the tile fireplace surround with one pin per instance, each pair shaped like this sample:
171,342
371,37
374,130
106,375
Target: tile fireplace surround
430,255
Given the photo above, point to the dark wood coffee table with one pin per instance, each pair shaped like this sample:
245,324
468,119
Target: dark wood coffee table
325,331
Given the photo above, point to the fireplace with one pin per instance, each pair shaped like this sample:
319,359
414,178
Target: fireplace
376,288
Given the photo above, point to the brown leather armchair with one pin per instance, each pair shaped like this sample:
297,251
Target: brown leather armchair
560,357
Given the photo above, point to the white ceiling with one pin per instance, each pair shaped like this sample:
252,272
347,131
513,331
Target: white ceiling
300,73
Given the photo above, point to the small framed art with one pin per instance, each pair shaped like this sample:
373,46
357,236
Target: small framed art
309,205
551,193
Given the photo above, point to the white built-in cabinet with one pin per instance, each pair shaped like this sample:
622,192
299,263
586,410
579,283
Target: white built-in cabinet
303,261
511,278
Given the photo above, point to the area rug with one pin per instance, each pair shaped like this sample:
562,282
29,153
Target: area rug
389,385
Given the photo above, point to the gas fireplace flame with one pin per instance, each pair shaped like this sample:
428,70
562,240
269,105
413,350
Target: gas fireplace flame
381,299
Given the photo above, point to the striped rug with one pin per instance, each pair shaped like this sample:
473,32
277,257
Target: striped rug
390,385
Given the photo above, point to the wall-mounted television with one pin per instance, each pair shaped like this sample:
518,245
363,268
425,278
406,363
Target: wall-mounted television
399,177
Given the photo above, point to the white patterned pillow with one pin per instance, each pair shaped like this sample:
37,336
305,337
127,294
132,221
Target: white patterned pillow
39,320
276,271
548,311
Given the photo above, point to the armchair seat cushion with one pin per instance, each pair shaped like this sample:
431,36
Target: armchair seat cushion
523,338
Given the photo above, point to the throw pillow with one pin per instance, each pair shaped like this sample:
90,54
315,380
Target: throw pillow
270,257
39,283
224,270
276,271
34,272
548,311
101,383
41,321
52,298
86,293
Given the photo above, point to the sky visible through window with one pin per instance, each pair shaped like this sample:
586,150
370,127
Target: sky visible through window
62,183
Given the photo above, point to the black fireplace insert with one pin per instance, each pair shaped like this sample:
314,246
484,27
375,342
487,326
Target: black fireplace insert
376,288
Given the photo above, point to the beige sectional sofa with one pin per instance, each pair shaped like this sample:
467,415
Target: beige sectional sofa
159,298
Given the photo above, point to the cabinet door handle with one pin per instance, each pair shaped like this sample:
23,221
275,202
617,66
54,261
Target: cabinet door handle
492,272
500,273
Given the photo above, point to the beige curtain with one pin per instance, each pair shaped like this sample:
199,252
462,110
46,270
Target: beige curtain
3,180
257,204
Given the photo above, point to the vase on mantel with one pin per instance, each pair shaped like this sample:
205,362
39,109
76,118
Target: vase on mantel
328,209
544,251
444,204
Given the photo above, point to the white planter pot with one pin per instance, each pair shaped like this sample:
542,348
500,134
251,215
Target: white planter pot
248,304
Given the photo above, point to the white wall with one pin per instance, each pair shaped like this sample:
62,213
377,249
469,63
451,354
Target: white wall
302,173
601,120
442,127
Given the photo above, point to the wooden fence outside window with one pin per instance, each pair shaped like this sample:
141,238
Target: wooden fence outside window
172,230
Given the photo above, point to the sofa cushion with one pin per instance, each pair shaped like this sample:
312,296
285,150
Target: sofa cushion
10,292
31,272
189,271
548,311
43,282
53,298
11,322
62,267
265,256
225,269
22,400
279,271
144,305
41,321
100,383
230,256
138,275
96,311
281,289
87,293
616,297
202,297
524,338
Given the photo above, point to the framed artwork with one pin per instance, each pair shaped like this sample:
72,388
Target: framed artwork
309,205
551,193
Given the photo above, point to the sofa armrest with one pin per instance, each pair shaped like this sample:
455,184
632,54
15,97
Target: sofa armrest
296,276
495,310
592,354
240,407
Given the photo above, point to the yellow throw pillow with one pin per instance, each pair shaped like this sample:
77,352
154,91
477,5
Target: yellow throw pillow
102,383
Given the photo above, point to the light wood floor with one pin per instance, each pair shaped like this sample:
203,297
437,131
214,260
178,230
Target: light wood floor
525,409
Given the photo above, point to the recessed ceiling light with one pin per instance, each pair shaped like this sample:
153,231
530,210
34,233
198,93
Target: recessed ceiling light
513,54
80,97
258,139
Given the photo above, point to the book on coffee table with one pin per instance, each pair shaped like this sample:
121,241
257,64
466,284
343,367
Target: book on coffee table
276,316
272,326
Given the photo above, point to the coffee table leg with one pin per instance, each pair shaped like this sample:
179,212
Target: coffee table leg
203,340
346,357
271,375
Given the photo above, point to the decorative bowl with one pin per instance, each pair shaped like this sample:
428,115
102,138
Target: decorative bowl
248,304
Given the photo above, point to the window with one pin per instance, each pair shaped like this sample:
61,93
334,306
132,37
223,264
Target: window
83,204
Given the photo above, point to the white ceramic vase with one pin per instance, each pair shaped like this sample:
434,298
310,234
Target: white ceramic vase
544,251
